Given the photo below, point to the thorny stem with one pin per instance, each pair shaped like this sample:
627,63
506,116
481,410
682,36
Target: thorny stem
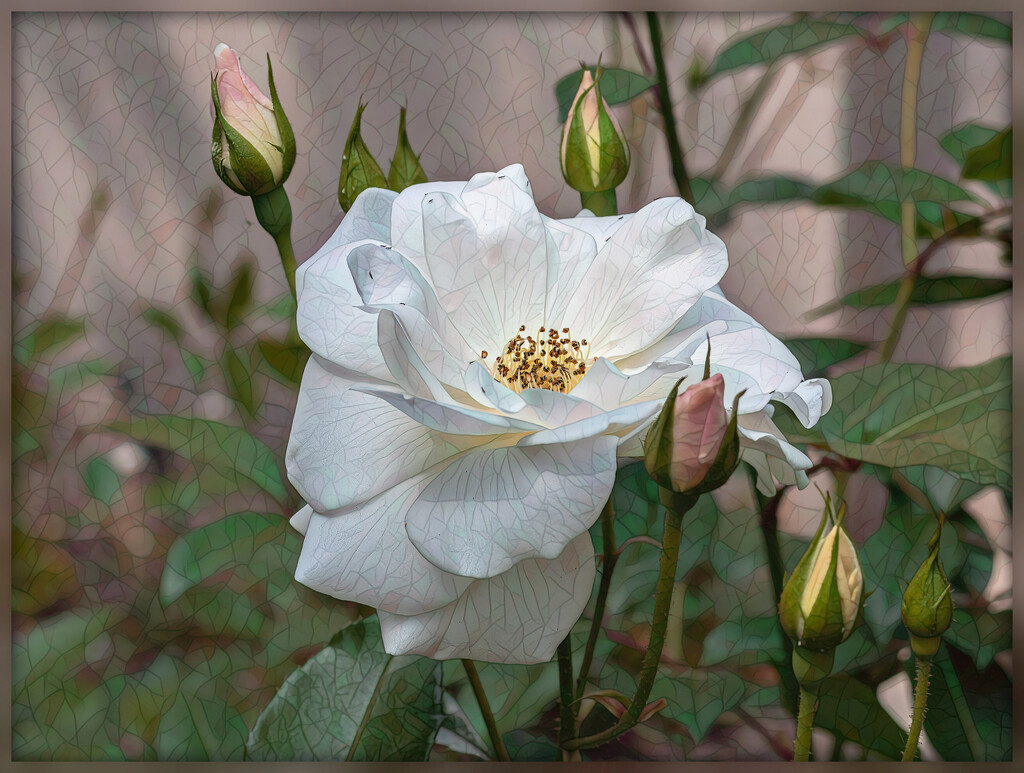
567,712
676,507
485,709
608,562
924,670
917,34
804,723
675,150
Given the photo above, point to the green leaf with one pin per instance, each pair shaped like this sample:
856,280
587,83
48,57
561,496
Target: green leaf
202,290
617,87
231,451
969,716
968,138
974,25
927,290
993,161
353,701
848,708
76,375
882,188
289,361
49,335
768,45
101,480
239,294
907,414
816,355
716,201
195,365
980,633
943,490
164,321
239,380
405,165
201,553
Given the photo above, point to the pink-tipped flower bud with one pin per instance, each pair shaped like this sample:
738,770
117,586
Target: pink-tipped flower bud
253,145
692,447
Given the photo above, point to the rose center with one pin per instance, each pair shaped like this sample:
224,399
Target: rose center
551,361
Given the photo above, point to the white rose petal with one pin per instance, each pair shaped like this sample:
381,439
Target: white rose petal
452,470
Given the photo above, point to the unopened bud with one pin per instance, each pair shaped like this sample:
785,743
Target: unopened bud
927,608
253,147
594,154
405,166
693,446
821,602
359,169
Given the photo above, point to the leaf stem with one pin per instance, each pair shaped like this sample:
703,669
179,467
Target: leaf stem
804,723
675,150
676,507
924,670
609,559
485,708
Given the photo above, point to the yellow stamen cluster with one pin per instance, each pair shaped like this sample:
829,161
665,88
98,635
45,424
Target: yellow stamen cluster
552,361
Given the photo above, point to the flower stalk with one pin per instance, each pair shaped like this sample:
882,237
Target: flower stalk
274,213
609,559
804,724
924,670
566,707
677,506
485,708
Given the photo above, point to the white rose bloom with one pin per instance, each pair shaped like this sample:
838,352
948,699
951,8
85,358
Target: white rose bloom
453,464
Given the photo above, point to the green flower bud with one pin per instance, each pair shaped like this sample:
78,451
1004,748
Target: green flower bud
405,166
594,154
821,602
927,608
359,169
253,148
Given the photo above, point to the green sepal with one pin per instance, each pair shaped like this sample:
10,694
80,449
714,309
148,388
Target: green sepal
216,149
790,614
405,165
359,169
812,668
248,164
658,443
283,127
824,627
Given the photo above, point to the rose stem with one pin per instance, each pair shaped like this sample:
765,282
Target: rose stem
917,34
804,723
676,507
485,709
675,150
924,670
567,712
610,557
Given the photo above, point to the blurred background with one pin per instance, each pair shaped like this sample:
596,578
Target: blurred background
154,611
